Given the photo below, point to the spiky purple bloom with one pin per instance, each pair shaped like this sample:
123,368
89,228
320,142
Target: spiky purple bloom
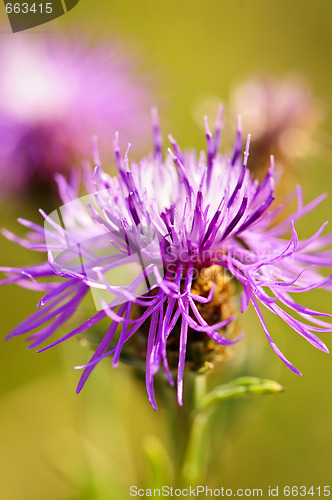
206,210
56,93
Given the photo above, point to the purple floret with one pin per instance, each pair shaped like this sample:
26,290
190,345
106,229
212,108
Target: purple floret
202,211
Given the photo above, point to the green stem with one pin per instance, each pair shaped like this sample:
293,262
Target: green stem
199,390
194,458
203,405
194,462
188,425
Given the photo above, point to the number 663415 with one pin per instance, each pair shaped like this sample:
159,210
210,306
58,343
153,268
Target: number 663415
24,8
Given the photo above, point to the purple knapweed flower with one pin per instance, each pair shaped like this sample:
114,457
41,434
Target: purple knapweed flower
56,93
282,115
185,219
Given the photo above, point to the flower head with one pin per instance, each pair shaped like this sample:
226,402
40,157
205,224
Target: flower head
55,95
282,116
184,225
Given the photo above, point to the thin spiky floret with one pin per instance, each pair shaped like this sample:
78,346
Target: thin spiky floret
177,215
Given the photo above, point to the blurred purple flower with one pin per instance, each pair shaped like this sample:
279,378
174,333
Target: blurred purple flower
281,115
55,95
181,216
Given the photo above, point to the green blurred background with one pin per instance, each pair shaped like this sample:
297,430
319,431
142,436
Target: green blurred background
56,445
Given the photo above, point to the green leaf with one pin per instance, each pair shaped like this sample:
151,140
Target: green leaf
243,386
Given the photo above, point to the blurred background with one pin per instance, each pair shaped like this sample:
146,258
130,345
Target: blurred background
188,57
